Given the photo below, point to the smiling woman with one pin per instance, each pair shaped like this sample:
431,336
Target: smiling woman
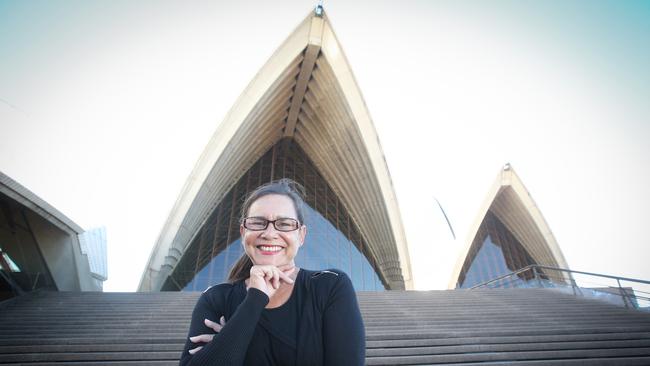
281,200
272,312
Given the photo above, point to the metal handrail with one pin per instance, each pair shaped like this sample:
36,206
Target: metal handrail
638,294
521,270
528,268
636,291
534,267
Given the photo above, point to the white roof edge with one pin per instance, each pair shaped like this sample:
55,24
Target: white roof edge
341,67
508,178
268,74
485,206
305,34
30,200
536,214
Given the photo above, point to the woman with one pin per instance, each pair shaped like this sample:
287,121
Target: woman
272,312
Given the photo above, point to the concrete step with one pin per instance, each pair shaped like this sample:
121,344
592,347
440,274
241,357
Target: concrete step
486,327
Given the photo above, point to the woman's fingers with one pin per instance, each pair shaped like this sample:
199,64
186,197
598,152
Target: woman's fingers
276,278
285,277
195,350
268,274
202,338
287,267
272,275
265,272
288,271
205,338
215,326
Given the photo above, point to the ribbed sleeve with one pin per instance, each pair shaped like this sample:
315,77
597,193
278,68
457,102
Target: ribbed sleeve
229,346
344,339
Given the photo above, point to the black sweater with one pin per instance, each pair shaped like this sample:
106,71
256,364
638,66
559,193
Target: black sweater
330,329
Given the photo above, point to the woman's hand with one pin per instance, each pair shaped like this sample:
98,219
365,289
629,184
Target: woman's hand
267,278
205,338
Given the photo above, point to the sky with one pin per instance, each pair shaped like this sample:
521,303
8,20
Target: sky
105,107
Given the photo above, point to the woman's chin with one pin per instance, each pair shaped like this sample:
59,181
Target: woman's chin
271,260
262,260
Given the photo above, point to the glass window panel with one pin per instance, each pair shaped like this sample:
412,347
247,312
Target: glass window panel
20,256
495,252
325,246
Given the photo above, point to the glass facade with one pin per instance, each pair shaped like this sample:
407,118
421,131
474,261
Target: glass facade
21,261
333,239
494,252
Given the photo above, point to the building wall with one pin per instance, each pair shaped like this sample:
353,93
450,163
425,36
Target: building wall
56,247
62,253
39,246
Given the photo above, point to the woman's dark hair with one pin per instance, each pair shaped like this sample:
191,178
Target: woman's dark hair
285,187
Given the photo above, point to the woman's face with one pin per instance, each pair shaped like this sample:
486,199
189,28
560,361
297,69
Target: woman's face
270,246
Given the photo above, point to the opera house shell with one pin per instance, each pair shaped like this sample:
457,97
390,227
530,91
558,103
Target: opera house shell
302,117
509,233
41,249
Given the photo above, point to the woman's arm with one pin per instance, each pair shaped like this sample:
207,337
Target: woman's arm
229,346
344,339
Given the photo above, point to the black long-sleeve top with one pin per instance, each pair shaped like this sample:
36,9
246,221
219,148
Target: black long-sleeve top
329,326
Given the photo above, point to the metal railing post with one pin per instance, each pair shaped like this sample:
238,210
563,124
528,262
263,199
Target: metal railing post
575,287
623,294
539,281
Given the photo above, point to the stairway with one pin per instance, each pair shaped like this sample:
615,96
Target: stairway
461,327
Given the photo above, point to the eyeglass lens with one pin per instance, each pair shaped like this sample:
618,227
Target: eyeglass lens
259,223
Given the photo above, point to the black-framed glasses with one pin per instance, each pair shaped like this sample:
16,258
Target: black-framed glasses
259,223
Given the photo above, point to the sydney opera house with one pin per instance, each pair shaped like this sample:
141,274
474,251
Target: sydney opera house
510,233
303,117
